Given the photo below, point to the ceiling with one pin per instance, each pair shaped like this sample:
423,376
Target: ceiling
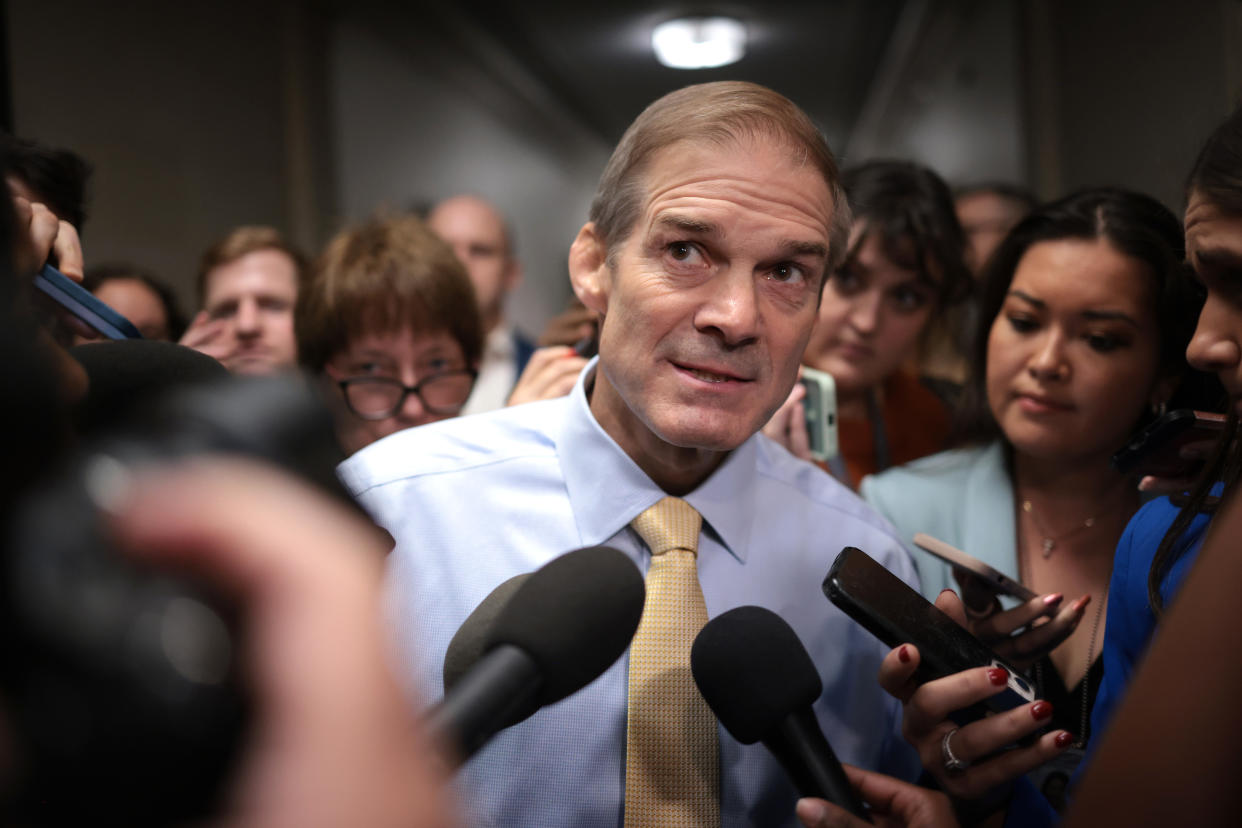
595,60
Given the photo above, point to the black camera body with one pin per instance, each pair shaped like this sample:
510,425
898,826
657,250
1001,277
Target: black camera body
123,685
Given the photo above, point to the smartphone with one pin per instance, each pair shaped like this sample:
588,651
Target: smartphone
79,301
896,614
1156,450
588,346
820,405
995,580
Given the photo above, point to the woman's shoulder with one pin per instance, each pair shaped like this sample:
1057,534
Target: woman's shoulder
936,472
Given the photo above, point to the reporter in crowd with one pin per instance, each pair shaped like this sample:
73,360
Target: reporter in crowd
388,320
248,283
1153,558
903,267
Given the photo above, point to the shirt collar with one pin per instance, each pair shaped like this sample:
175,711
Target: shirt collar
607,489
499,343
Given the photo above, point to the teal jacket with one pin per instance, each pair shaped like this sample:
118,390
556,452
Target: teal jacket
963,497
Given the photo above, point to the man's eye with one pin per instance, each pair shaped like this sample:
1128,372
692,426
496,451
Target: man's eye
683,251
788,273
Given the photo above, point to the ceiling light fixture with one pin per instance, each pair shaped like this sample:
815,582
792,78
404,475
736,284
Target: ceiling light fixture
699,42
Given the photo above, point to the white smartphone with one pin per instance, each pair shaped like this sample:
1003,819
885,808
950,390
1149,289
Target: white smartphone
995,580
820,405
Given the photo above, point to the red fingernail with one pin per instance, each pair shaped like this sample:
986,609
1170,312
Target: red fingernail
1064,738
1054,598
1081,603
1041,710
998,676
903,654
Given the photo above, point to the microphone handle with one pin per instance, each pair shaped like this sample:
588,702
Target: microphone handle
499,690
801,748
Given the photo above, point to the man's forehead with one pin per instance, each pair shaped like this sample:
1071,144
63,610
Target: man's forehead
260,271
766,172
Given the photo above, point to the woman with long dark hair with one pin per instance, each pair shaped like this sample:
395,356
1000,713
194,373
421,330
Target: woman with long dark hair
1085,316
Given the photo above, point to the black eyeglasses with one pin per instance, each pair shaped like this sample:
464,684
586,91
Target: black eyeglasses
376,398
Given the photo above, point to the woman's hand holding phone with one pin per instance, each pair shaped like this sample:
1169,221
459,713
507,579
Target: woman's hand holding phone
984,765
1021,635
788,425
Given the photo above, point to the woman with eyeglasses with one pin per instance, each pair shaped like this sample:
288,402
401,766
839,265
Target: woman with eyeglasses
389,321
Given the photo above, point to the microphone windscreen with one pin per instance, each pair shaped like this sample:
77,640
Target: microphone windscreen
753,671
470,640
574,616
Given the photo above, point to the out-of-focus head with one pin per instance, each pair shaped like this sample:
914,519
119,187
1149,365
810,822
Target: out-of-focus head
710,234
480,237
389,307
1213,229
249,280
1085,315
987,212
56,178
903,263
140,297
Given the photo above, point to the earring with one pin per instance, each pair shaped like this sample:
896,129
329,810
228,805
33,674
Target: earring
1160,409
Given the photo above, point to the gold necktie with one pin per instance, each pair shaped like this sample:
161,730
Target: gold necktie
672,762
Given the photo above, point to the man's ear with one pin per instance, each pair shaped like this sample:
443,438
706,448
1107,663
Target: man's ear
588,269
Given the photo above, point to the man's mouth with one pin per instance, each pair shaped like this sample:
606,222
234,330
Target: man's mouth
712,372
708,376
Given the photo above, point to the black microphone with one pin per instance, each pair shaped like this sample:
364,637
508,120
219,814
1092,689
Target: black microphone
553,633
760,682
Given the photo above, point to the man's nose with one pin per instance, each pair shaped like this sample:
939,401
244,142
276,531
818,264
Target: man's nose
247,321
731,307
1213,348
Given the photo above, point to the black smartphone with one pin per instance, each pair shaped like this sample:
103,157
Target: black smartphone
1156,450
896,614
992,580
588,346
78,300
820,405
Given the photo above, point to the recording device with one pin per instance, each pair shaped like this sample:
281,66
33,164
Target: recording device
988,577
760,682
81,303
894,613
469,643
557,632
1156,450
123,684
820,406
588,346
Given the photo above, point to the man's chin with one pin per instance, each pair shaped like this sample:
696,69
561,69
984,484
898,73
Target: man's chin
705,436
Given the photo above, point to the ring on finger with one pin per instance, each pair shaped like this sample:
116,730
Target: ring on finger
952,765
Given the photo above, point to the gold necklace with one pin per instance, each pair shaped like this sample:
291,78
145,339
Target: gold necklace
1049,539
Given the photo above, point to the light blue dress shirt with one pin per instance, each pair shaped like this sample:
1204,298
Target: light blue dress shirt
476,500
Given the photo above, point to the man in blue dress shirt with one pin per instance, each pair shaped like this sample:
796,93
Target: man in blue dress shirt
716,222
